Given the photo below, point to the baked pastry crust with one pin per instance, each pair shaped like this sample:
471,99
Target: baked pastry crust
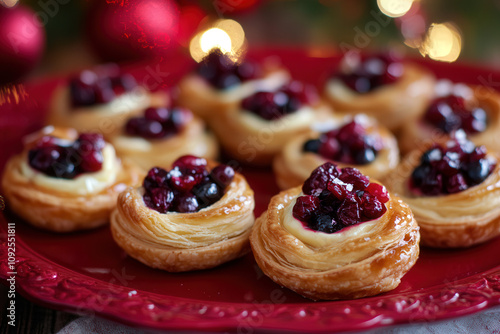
56,210
193,139
207,102
256,141
107,119
462,219
354,267
392,105
416,133
178,242
293,166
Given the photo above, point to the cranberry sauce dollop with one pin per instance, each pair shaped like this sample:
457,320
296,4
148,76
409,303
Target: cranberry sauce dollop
288,99
222,72
349,144
450,113
158,123
451,169
365,73
336,198
188,187
55,158
100,86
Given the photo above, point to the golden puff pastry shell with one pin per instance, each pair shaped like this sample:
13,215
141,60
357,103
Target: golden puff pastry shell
108,118
192,140
462,219
207,102
416,133
376,262
253,140
60,211
293,166
392,105
178,242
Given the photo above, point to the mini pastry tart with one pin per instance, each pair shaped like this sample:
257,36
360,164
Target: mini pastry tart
453,191
474,109
257,131
100,101
342,237
380,86
186,219
162,135
64,182
358,142
219,84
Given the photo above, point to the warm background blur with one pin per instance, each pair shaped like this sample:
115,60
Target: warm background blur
71,34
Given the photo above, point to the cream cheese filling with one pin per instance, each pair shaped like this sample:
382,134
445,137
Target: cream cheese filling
321,239
83,184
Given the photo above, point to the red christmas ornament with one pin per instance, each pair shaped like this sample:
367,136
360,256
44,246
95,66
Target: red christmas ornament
132,29
22,40
191,16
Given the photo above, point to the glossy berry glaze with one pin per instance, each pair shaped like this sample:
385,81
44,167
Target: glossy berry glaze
450,113
222,72
350,144
188,187
97,87
158,123
451,169
60,159
366,73
337,198
288,99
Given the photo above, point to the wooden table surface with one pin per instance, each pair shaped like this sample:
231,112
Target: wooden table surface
31,318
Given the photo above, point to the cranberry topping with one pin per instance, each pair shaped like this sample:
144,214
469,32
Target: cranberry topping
450,113
158,123
222,72
55,158
187,187
350,144
366,73
96,87
288,99
451,169
336,198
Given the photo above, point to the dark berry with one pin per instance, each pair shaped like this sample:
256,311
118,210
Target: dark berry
155,178
325,223
478,171
91,162
157,114
455,184
348,212
372,207
312,145
320,178
161,199
223,175
305,207
355,177
187,203
207,194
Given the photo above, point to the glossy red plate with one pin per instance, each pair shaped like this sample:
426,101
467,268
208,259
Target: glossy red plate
86,272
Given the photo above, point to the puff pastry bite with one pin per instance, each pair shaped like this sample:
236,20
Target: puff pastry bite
101,100
474,109
65,182
219,83
381,86
341,237
264,122
161,135
453,191
355,141
186,219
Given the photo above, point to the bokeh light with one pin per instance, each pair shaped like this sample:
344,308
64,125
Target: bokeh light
394,8
226,35
443,42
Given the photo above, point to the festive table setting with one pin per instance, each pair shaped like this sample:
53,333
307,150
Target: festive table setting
251,165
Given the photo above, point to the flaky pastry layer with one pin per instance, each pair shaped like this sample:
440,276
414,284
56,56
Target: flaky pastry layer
185,241
293,166
374,264
454,220
193,140
392,104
